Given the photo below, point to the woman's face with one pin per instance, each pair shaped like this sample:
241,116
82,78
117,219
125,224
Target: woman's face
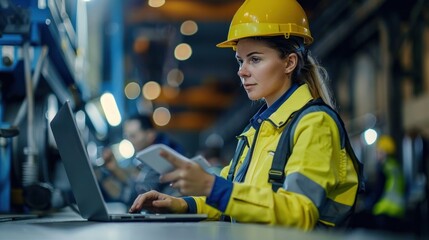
263,73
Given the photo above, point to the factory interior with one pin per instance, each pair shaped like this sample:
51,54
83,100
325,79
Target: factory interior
112,59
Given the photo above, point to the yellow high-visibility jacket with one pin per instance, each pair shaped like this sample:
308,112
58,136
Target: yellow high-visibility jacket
321,182
392,202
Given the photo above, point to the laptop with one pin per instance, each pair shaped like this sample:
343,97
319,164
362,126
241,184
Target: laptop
82,179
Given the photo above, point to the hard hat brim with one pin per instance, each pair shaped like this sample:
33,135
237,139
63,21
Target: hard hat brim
246,30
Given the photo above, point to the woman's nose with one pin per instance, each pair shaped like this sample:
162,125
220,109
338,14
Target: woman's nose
242,72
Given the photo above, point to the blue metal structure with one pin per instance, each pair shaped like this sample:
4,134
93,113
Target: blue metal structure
117,53
5,165
38,49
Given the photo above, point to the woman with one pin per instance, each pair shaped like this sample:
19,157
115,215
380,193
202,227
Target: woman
321,183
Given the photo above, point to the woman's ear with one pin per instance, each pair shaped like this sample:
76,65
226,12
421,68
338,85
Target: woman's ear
291,61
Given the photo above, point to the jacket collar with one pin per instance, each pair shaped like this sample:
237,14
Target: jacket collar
296,101
293,103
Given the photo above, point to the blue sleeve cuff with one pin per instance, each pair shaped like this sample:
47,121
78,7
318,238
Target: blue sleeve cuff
221,193
192,206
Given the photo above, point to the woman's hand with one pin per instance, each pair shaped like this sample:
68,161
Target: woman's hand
188,177
159,203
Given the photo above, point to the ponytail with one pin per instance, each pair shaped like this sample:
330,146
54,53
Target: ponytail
316,77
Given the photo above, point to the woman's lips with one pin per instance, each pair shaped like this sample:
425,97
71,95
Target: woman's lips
248,86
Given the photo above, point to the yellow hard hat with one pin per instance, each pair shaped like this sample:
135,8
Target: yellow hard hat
268,18
386,144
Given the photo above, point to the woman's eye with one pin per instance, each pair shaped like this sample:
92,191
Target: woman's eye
255,60
240,62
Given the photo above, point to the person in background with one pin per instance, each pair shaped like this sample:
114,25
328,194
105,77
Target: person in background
321,179
389,207
122,182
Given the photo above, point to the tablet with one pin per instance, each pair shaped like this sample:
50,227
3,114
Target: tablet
151,156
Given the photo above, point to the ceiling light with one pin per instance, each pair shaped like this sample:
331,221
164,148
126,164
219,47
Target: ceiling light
132,90
110,109
97,119
182,52
161,116
151,90
126,149
189,28
370,136
175,77
80,118
156,3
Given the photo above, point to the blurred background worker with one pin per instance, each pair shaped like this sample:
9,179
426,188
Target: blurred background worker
389,208
384,207
123,181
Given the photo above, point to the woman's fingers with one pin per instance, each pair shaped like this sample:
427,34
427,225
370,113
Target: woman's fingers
171,176
188,177
158,202
174,160
143,200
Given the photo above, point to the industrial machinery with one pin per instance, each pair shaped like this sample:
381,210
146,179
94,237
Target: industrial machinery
38,70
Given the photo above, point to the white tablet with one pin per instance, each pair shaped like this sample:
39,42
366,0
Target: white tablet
151,156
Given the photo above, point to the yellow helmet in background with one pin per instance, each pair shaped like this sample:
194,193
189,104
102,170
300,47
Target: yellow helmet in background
268,18
386,144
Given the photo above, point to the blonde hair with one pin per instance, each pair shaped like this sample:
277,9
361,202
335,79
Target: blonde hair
317,78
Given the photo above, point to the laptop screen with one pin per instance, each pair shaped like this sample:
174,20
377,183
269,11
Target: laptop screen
77,165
